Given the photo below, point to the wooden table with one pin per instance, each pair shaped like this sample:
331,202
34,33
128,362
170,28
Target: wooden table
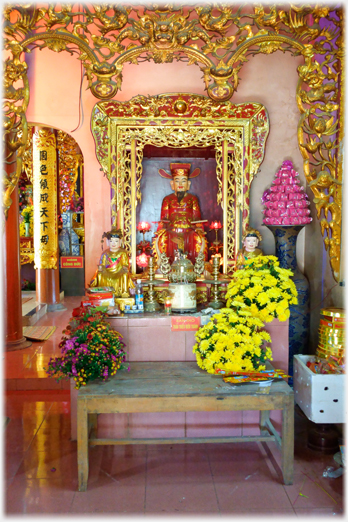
181,387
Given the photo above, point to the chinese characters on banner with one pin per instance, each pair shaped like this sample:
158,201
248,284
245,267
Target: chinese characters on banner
71,262
180,324
45,199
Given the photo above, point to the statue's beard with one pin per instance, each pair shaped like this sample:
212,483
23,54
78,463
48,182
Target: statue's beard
180,195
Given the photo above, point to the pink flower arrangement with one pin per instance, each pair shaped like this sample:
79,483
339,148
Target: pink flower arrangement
77,204
90,349
286,201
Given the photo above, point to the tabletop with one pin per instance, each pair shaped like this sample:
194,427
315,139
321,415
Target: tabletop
174,379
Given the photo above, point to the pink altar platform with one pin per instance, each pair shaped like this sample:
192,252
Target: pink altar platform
149,337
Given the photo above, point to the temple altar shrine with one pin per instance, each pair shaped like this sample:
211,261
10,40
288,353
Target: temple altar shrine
186,155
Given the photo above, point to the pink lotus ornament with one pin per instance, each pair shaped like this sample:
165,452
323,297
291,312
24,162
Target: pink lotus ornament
286,201
144,226
142,260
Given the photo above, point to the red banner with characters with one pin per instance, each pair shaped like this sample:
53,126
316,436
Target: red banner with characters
180,324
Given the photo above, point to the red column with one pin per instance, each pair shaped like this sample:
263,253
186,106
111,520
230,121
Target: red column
14,339
47,286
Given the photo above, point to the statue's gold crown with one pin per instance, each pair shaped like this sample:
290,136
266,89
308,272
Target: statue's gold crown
179,169
114,232
252,232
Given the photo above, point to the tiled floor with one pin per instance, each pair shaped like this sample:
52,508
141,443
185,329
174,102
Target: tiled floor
211,479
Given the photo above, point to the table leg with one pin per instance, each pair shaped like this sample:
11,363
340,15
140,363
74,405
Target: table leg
92,425
288,440
82,445
264,417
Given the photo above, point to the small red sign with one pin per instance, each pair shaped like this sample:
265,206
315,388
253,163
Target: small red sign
71,262
180,324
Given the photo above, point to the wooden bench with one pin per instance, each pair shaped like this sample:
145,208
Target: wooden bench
181,387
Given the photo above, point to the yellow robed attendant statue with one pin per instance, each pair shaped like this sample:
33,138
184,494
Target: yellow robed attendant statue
113,268
251,239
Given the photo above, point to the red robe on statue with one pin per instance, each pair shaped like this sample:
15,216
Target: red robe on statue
178,232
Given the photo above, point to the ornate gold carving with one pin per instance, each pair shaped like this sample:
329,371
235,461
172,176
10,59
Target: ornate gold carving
141,121
320,98
219,39
16,101
26,255
164,264
27,162
199,264
69,161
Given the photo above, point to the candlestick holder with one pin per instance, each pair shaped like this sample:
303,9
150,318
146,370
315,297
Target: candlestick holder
144,246
216,245
151,304
216,302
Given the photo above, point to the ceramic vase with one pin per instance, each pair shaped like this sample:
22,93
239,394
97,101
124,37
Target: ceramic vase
285,243
68,240
27,226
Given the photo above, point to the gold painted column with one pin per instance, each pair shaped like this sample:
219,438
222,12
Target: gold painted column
133,204
45,199
224,202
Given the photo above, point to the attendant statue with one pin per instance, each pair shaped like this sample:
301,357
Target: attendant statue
181,226
251,239
113,268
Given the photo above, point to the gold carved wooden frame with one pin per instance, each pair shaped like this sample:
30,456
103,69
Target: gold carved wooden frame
219,39
237,132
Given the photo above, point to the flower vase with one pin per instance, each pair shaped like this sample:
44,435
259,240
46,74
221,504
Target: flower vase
27,227
285,243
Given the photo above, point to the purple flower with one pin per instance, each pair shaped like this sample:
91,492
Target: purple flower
69,345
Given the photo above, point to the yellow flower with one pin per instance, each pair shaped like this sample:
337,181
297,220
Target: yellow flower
271,307
274,293
284,316
280,309
204,345
250,293
265,316
262,298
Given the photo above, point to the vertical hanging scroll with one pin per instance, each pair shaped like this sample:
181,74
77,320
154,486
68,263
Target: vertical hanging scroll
45,199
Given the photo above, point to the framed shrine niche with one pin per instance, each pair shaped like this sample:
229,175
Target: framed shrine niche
236,133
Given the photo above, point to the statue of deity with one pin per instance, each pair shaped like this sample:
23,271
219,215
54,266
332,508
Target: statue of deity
251,239
113,268
181,226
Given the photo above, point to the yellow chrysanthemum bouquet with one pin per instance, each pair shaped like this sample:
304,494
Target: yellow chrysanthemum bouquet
266,289
27,217
232,343
233,340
